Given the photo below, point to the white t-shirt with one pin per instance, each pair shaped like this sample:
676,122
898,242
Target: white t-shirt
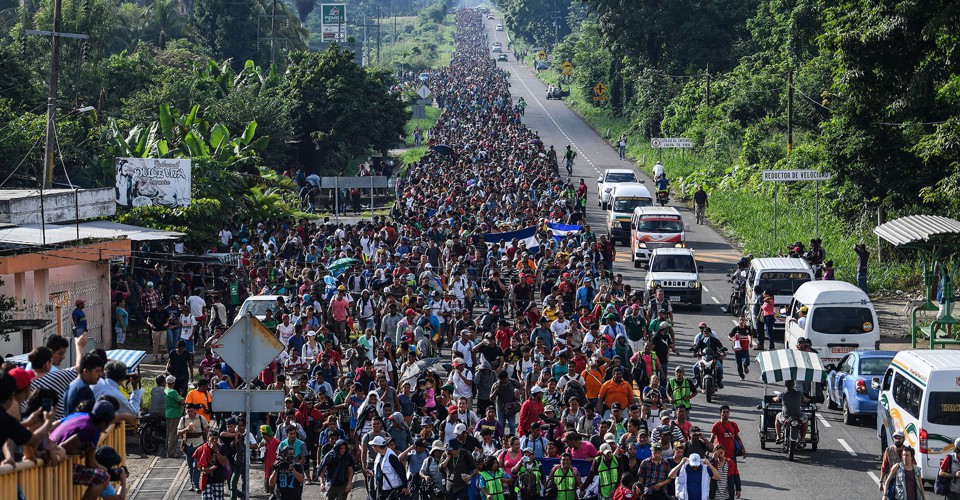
558,327
460,388
465,350
196,305
285,332
225,236
657,170
187,322
383,366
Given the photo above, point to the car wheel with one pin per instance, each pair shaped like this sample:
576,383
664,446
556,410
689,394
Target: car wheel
848,418
638,264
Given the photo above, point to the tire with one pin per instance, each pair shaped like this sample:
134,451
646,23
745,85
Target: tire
791,448
708,388
814,443
151,443
848,418
637,264
830,403
763,444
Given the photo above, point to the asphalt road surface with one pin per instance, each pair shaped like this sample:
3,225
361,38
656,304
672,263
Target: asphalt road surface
847,461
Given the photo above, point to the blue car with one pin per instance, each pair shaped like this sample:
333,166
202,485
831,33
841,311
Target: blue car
849,383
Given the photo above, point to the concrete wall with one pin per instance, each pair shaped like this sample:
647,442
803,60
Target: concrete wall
59,205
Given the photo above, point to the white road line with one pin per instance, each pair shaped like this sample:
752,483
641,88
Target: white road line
705,289
535,98
847,447
874,477
715,299
823,421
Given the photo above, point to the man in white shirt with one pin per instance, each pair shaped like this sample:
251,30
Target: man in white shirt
559,326
462,381
464,347
285,330
389,474
225,237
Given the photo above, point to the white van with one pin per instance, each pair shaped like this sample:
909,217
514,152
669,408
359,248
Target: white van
920,396
655,227
624,199
840,318
780,275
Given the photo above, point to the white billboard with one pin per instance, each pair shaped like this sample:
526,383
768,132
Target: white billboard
333,22
163,182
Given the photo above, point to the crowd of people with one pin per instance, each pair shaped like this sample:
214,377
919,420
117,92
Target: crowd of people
442,360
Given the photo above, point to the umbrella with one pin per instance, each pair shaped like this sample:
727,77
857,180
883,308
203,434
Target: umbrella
790,364
443,149
338,266
535,142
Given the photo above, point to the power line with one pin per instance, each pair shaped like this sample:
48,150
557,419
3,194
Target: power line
21,161
814,101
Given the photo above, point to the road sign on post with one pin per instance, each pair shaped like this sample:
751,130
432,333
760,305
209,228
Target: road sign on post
542,55
670,142
567,68
418,112
600,92
794,176
247,347
423,92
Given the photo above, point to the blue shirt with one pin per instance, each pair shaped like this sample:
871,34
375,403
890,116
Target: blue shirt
77,392
79,318
694,482
644,452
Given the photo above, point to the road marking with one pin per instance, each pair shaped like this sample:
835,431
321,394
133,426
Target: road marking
715,299
874,477
705,289
847,447
535,98
823,421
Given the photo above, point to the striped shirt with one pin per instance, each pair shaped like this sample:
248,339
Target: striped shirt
58,381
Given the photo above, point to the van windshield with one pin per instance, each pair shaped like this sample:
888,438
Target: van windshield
258,307
659,226
620,177
842,320
673,264
628,204
782,283
943,408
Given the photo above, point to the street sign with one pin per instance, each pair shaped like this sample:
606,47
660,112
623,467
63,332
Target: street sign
424,102
232,347
551,58
794,175
333,22
418,111
567,68
541,55
228,401
423,92
670,142
600,92
375,182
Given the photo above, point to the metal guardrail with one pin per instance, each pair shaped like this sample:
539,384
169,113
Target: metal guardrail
44,482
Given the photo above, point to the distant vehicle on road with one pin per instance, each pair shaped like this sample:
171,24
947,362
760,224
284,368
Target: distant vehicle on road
424,77
502,57
678,273
850,383
491,17
497,46
610,178
499,27
258,305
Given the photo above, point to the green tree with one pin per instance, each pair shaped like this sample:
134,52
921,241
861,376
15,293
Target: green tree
340,110
228,28
164,20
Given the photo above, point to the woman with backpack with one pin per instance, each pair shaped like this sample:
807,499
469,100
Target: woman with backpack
949,474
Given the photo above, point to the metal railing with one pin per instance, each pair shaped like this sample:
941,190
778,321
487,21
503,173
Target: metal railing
45,482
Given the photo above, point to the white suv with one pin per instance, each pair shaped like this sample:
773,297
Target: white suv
677,272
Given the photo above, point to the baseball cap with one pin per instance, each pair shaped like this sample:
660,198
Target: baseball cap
108,457
453,444
266,430
609,438
605,448
656,447
378,441
103,410
695,460
22,377
898,434
666,414
616,406
171,379
459,429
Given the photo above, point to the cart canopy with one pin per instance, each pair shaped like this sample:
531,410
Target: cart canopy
790,364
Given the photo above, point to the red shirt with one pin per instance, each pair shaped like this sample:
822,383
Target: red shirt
270,456
503,338
530,412
724,433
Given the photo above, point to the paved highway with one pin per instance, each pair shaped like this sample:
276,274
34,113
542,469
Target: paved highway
846,463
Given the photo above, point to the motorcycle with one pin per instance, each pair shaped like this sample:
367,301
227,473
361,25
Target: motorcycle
663,196
152,434
738,293
706,372
792,437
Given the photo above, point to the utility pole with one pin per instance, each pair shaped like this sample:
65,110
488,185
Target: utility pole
379,15
50,148
708,85
273,33
789,111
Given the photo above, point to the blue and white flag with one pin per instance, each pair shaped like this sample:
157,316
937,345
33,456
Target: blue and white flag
560,231
527,236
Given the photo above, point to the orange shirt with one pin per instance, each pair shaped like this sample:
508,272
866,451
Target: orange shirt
612,392
202,399
594,380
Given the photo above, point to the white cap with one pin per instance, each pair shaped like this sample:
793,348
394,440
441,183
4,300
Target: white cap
695,460
379,441
459,429
171,379
536,390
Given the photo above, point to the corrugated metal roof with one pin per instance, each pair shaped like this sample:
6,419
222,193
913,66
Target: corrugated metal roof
52,234
916,229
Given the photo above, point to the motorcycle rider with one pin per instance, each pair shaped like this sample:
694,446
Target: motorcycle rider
658,170
663,188
706,343
792,399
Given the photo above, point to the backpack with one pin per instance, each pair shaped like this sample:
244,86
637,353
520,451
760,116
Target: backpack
528,485
574,389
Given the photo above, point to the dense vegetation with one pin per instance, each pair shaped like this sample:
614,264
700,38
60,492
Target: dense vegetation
193,79
876,101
